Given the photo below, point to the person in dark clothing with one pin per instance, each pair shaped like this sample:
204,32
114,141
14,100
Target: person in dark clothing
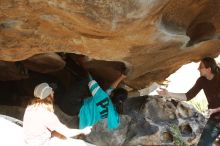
209,81
118,97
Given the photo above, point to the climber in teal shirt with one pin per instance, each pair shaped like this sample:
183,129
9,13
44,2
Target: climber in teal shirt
102,104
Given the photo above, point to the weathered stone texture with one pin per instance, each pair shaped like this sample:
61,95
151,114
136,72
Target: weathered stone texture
153,38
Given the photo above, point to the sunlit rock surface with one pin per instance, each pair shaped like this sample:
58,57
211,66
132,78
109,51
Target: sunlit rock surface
152,38
45,41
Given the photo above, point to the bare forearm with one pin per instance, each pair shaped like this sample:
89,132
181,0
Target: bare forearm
212,111
218,109
118,80
58,135
67,132
177,96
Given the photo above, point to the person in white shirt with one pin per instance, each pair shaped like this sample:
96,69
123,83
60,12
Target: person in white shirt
42,127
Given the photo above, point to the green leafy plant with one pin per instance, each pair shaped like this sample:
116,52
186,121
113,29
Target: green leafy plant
174,129
199,103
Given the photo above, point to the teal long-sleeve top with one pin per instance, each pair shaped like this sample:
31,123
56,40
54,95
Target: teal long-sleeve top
97,107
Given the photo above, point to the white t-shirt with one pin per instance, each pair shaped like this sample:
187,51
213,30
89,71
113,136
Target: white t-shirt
37,124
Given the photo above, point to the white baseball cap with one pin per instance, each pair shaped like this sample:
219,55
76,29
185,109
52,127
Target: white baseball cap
42,91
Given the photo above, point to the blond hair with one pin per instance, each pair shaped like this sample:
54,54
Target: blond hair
46,103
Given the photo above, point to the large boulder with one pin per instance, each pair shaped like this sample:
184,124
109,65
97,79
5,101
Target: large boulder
136,126
151,38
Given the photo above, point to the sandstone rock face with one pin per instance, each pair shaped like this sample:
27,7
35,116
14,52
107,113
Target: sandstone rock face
151,38
44,41
45,63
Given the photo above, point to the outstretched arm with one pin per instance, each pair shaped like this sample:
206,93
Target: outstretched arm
117,81
176,96
212,111
53,124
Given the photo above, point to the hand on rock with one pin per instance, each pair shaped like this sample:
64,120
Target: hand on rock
87,130
163,92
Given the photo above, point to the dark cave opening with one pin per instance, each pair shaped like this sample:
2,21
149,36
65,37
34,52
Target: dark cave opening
70,82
